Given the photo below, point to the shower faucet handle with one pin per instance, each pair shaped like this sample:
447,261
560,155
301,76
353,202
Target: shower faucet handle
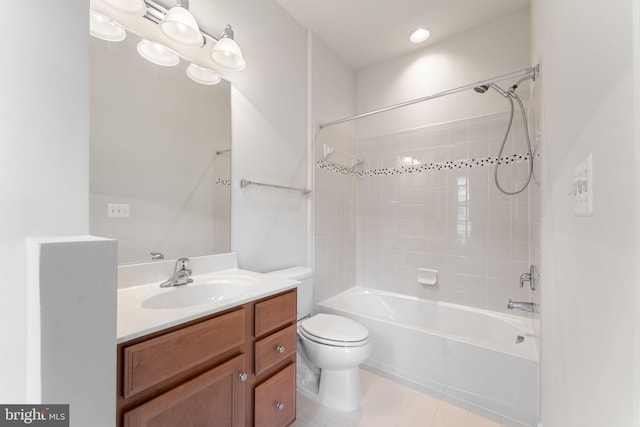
532,277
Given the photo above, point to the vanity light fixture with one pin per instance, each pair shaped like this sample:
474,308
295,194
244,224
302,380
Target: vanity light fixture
203,75
158,53
128,6
180,26
178,29
227,53
419,35
105,28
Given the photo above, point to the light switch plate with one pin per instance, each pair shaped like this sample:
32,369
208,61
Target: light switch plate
582,191
118,210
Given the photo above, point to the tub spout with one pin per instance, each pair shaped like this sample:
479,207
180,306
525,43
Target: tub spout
531,307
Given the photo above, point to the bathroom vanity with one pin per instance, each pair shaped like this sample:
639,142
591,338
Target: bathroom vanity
233,364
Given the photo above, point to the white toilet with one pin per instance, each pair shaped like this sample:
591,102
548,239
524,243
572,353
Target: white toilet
334,344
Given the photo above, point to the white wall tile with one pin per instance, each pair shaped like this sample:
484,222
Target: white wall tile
454,221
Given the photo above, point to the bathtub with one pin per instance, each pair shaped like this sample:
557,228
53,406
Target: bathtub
465,353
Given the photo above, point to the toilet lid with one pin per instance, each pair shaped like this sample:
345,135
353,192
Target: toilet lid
332,329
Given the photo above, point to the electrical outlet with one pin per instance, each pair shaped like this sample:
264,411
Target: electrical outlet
118,210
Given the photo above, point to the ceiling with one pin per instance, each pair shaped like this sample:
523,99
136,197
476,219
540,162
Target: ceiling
366,32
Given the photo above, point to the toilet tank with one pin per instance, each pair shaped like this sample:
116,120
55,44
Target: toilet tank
304,275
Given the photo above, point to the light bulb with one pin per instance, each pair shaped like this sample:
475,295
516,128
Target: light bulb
180,26
419,35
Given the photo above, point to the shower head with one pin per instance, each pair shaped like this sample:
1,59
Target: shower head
485,88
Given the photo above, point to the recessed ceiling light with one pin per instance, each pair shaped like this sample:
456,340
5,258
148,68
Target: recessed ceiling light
419,35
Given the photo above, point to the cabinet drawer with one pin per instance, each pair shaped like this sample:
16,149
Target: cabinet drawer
275,348
159,359
275,399
274,313
213,399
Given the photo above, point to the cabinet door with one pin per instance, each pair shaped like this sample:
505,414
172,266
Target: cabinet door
275,399
213,399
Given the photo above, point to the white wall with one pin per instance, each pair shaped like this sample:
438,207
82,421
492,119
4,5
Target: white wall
154,136
76,334
589,277
269,133
491,50
44,135
333,87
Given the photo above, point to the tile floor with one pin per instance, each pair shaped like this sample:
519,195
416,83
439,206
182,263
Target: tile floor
386,403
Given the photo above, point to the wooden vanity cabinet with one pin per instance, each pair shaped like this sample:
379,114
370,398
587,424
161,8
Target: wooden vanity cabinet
275,361
233,368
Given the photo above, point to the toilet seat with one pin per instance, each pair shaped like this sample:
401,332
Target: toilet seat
333,330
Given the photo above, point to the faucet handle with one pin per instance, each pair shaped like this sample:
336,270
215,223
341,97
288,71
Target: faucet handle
181,263
532,277
524,277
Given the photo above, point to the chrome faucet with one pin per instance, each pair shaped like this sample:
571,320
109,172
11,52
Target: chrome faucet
181,274
532,277
156,256
531,307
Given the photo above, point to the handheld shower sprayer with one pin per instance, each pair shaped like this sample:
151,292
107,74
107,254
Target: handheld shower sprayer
510,94
485,88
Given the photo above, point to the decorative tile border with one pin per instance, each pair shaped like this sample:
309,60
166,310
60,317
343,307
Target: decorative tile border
221,181
334,167
438,166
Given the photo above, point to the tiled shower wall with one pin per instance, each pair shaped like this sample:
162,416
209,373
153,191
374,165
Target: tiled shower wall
426,199
334,218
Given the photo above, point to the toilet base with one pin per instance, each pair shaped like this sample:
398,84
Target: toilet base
307,378
340,389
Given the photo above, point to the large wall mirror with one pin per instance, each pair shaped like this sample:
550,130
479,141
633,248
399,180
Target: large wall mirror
160,144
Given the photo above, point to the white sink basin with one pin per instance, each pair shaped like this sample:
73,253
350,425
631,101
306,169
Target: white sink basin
205,291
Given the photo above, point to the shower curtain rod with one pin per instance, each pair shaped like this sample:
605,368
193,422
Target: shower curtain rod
526,71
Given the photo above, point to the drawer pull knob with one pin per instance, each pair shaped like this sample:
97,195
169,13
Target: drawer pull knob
280,406
243,377
280,349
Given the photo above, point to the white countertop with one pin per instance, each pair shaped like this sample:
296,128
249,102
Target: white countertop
136,318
